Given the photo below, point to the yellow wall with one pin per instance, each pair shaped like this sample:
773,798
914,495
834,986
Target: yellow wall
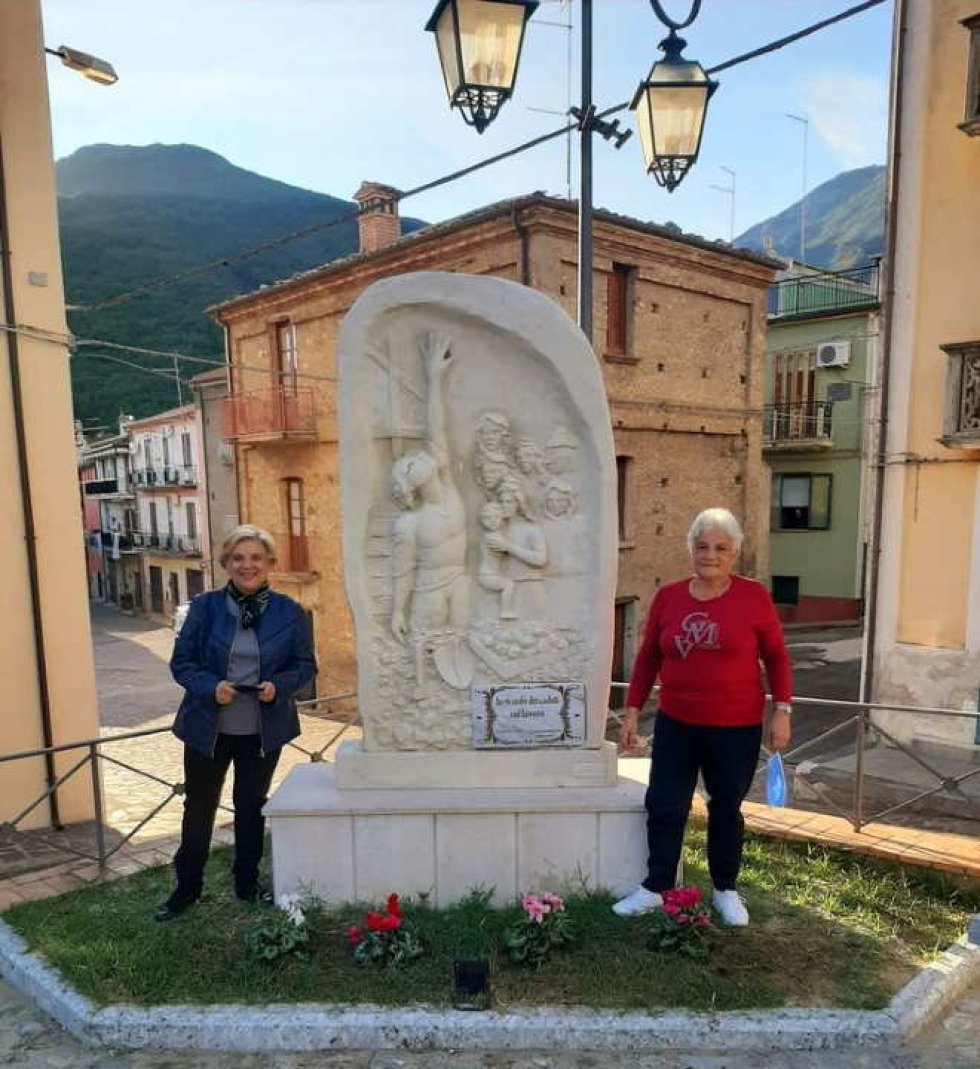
33,241
939,494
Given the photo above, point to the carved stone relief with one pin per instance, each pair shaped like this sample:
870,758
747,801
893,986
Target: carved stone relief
468,557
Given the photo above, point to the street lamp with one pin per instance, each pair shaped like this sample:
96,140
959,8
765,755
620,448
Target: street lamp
670,106
479,43
91,67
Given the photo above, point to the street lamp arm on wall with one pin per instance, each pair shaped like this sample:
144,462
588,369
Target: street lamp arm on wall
96,70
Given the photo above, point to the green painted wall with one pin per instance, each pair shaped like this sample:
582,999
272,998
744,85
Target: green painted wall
827,562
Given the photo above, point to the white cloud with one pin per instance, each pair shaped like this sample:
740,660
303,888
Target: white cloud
849,112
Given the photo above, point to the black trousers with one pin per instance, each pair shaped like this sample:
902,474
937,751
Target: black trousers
726,757
203,779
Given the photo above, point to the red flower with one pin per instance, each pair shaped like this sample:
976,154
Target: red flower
353,935
393,908
375,921
391,923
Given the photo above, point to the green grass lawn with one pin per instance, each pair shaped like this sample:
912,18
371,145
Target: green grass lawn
828,929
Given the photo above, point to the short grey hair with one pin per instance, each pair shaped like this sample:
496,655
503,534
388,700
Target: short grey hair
717,519
245,532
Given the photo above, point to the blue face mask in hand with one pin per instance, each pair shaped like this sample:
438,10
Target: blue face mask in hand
775,781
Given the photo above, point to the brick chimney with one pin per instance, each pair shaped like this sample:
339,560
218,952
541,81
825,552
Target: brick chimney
377,224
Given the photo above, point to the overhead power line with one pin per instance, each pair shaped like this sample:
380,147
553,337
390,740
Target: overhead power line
216,265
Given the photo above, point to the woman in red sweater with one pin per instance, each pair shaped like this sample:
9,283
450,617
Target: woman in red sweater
704,639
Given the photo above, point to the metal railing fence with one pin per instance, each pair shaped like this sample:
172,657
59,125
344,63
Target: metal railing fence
859,720
93,754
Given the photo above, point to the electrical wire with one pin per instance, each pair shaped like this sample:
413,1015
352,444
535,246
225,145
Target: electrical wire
70,341
215,265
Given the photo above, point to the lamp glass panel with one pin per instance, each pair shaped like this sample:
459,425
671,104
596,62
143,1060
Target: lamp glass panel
644,129
448,56
490,38
676,115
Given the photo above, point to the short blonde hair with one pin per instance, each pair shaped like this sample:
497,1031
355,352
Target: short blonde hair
717,519
245,532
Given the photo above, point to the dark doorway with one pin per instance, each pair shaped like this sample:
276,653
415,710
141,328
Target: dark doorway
156,589
195,582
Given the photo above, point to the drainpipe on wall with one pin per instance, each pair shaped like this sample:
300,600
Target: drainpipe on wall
30,533
887,319
524,261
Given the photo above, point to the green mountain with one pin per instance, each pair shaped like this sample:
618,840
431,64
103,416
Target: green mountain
845,222
129,216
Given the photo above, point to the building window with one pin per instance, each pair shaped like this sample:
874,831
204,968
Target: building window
961,426
800,502
794,378
623,495
619,294
298,547
286,362
971,118
185,450
191,513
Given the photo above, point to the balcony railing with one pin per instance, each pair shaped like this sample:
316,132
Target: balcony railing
117,540
101,486
186,545
830,291
274,414
180,475
786,424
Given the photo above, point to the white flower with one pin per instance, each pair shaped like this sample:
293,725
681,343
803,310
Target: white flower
292,906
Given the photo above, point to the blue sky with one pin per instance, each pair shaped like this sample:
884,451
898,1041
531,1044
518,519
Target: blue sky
325,93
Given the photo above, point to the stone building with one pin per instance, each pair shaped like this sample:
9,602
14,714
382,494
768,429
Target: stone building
109,519
216,469
172,519
679,327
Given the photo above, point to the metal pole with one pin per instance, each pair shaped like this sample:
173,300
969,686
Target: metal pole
585,180
862,727
93,756
805,123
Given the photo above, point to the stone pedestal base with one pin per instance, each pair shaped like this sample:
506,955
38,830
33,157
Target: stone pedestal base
360,769
360,845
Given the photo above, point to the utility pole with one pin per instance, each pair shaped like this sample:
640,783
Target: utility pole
730,191
805,123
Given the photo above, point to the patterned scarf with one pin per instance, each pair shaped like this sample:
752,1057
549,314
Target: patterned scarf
250,606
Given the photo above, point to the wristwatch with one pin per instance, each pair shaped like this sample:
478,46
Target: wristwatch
784,707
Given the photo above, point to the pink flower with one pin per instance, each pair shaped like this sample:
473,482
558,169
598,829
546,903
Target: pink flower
552,900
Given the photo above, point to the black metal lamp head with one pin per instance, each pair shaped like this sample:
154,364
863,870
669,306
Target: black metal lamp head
670,105
479,44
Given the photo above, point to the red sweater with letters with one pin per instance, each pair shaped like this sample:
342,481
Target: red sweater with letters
707,655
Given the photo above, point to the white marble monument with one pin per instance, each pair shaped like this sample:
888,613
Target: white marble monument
480,545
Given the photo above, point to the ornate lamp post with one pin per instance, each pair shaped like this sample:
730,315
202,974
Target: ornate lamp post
479,44
670,106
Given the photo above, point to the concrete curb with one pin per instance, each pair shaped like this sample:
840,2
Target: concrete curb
306,1028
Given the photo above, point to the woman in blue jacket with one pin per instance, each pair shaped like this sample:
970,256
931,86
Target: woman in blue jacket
241,655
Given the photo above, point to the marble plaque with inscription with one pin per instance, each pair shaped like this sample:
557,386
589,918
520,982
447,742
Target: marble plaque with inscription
528,715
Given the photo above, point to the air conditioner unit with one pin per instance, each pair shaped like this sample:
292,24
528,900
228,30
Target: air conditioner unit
834,354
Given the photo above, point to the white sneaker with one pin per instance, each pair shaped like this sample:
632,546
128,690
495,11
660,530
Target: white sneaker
730,908
638,901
